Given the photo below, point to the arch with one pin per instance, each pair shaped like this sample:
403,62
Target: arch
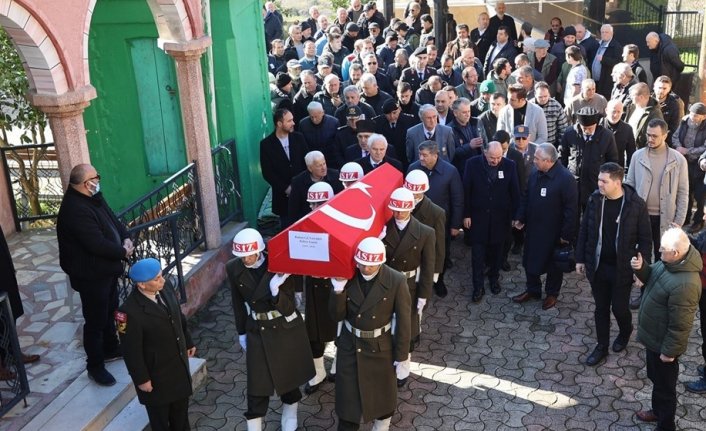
45,65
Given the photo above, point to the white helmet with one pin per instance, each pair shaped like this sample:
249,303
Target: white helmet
401,200
248,242
351,171
416,181
370,252
319,192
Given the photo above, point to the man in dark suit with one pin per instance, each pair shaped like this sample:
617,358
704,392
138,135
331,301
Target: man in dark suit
377,149
492,197
608,55
393,125
501,48
281,158
418,72
549,209
157,347
92,247
319,129
586,40
500,19
430,130
316,170
353,152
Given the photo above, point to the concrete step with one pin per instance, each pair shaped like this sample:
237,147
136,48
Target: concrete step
85,406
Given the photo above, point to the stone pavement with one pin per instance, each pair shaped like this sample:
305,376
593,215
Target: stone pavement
496,365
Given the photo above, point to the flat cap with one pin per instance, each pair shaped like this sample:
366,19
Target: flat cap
541,44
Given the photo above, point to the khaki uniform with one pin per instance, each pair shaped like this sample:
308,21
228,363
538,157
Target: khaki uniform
432,215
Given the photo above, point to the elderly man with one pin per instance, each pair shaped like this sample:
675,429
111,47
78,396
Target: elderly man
640,112
623,79
615,224
622,132
557,121
547,64
330,96
549,209
430,130
351,97
670,105
393,124
492,198
469,59
370,65
672,293
584,148
426,92
525,77
501,75
661,177
92,247
664,56
586,40
372,95
608,55
319,129
469,87
499,20
305,95
316,171
462,41
587,97
690,141
469,136
519,112
377,149
481,37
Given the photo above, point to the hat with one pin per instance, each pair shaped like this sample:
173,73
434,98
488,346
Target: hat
352,27
305,25
365,126
283,79
368,6
402,26
145,270
422,50
391,36
521,131
373,25
487,86
390,105
353,111
293,63
324,60
698,108
570,31
541,44
588,116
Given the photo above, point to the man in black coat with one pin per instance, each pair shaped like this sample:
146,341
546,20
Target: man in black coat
377,155
584,148
500,19
304,96
157,347
622,132
502,48
359,146
614,226
418,72
281,158
492,197
319,129
664,56
549,209
92,247
608,55
316,171
393,125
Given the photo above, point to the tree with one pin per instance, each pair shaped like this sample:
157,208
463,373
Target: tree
17,113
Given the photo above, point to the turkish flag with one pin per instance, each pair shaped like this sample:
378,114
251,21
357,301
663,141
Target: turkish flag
322,243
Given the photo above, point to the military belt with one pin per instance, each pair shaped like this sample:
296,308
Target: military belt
367,334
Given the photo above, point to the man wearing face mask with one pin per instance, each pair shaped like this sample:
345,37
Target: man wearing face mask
410,247
92,246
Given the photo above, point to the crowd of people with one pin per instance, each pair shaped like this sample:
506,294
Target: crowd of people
563,149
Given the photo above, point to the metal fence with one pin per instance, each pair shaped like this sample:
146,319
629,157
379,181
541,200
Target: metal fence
225,171
32,175
14,386
685,29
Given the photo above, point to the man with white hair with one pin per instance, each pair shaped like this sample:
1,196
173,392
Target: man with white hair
623,78
640,112
316,171
622,132
377,149
330,94
351,97
664,56
305,95
587,97
609,54
672,293
372,95
430,130
319,129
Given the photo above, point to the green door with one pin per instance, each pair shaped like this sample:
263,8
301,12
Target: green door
158,97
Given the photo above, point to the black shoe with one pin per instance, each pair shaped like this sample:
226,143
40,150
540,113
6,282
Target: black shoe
113,355
402,382
310,389
101,376
635,303
477,295
516,249
331,377
599,353
495,287
440,288
506,266
620,343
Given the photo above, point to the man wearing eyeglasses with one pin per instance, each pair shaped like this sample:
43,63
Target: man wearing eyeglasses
92,245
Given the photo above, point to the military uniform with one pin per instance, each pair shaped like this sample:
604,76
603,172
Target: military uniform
365,379
319,325
432,215
155,341
278,353
411,252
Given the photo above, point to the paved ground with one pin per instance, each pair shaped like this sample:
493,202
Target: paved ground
495,365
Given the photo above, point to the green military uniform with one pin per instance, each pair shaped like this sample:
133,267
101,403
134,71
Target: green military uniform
432,215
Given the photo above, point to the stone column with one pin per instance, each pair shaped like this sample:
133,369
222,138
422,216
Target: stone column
65,114
193,111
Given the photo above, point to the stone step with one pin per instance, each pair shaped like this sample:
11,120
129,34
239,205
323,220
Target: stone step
85,406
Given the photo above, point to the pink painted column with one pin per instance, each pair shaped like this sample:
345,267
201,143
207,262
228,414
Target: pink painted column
65,114
193,111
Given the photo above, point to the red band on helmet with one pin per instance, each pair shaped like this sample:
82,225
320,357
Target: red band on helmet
401,205
245,247
370,257
348,176
317,196
414,187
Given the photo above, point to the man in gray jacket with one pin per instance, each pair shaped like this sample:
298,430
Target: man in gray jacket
661,177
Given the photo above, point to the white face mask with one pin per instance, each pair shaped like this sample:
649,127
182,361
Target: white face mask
97,188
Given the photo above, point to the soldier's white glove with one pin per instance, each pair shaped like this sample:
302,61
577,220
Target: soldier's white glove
276,282
338,285
421,302
383,233
436,277
242,339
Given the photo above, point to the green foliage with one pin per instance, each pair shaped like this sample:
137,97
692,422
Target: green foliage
335,4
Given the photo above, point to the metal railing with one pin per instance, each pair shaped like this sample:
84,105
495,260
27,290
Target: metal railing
225,172
13,385
685,29
33,180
